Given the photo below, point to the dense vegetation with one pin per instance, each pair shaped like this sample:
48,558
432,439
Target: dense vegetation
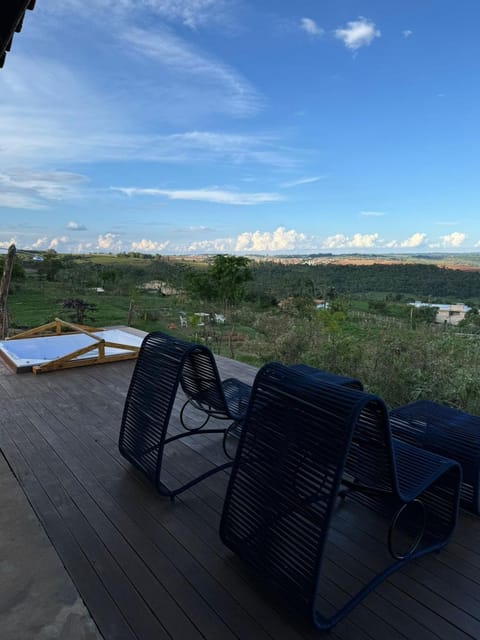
367,329
414,280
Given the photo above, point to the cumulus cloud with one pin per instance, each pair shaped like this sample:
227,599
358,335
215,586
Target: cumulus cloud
76,226
55,242
40,243
414,240
358,33
217,245
406,33
357,241
270,241
277,241
310,26
149,246
217,196
109,242
454,239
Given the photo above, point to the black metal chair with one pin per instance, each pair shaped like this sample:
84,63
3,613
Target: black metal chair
163,363
303,443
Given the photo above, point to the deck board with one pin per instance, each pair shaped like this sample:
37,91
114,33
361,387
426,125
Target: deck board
148,568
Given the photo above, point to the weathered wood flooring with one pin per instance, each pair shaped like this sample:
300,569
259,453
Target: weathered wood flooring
148,568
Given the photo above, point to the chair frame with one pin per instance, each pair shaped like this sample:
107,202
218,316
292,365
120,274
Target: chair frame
302,439
148,406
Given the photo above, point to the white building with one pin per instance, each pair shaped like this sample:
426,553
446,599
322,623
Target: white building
446,313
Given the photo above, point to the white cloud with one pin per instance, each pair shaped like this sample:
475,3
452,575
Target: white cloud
406,33
357,241
310,26
414,240
217,196
76,226
55,242
40,243
358,33
454,239
32,189
277,241
149,246
51,185
6,244
109,242
52,114
191,13
200,145
226,88
83,247
300,181
19,201
270,241
218,245
372,213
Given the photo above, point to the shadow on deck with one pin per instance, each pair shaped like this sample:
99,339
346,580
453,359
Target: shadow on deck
148,568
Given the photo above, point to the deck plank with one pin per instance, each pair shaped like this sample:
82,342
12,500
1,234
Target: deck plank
148,568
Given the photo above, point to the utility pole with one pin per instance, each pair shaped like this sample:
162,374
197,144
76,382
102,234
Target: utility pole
4,286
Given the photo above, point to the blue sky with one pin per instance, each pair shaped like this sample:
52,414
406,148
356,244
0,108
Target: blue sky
200,126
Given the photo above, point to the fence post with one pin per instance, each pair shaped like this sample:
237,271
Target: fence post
4,286
130,313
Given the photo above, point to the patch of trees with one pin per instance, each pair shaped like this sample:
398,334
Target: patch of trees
413,280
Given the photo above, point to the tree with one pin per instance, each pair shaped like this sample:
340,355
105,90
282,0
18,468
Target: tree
50,266
224,280
80,309
229,275
471,320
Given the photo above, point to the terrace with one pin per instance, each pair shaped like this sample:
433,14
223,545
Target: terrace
146,567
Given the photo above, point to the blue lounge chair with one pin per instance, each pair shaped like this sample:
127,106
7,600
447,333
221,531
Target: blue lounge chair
304,443
163,363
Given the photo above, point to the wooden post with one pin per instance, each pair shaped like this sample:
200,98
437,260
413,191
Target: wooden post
130,313
4,286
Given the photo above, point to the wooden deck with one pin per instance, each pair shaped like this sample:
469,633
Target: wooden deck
148,568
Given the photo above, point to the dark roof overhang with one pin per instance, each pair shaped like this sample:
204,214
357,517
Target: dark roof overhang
12,13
